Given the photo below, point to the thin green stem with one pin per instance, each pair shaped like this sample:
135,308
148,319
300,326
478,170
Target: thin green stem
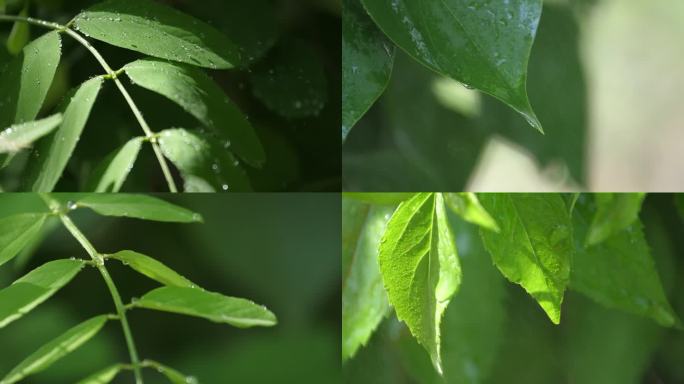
111,74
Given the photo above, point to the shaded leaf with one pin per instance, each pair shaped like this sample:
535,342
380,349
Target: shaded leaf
111,174
102,377
35,287
195,92
467,205
379,198
535,245
212,306
20,136
19,36
17,232
174,376
56,349
484,44
420,267
157,30
136,206
152,268
614,212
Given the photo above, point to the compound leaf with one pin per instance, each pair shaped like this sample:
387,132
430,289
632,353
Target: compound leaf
467,205
152,268
35,287
104,376
420,267
20,136
17,232
195,92
157,30
614,212
136,206
535,245
212,306
56,349
484,44
111,174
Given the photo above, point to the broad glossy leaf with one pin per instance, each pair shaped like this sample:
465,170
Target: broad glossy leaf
136,206
467,205
195,92
104,376
367,60
484,44
19,36
152,268
171,374
56,349
35,287
364,301
212,306
111,174
17,232
20,136
535,245
157,30
619,272
379,198
205,165
420,267
614,212
26,80
54,154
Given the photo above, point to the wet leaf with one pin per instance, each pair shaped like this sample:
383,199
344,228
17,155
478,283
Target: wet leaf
171,374
20,136
152,268
136,206
111,174
17,232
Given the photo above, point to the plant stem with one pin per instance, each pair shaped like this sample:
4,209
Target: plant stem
113,75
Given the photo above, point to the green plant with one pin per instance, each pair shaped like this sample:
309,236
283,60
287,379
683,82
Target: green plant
403,254
177,295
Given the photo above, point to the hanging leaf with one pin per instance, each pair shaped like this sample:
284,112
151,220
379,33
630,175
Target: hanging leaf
484,44
157,30
111,174
152,269
17,232
35,287
535,245
615,212
56,349
215,307
136,206
195,92
420,267
467,206
20,136
104,376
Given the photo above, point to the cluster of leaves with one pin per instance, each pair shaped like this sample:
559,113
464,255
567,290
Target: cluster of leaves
211,143
427,122
177,294
402,252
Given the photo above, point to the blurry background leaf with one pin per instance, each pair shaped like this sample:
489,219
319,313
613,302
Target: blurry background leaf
19,36
614,212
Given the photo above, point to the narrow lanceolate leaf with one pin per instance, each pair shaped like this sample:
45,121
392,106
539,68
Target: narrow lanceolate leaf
467,205
212,306
26,80
104,376
21,136
195,92
379,198
35,287
614,212
205,165
156,30
535,245
484,44
19,36
56,349
152,268
17,232
171,374
54,154
619,272
136,206
367,60
420,267
111,174
364,301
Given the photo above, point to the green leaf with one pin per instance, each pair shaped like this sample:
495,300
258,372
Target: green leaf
467,206
136,206
620,271
212,306
156,30
291,81
152,268
35,287
26,80
17,232
56,349
364,301
53,155
104,376
174,376
195,92
2,7
420,267
20,136
484,44
379,198
205,165
19,36
111,174
367,60
615,212
535,245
